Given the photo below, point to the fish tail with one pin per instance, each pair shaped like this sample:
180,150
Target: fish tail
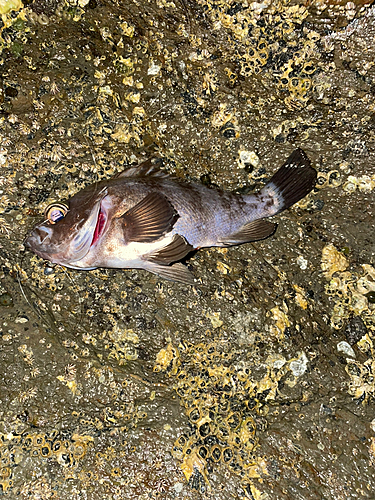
292,182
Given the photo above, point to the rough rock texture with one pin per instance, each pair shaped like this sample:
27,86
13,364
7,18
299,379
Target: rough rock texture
258,382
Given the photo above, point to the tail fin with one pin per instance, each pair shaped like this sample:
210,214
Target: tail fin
293,181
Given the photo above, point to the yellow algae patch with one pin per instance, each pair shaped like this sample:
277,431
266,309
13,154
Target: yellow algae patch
300,296
9,5
332,261
168,359
123,335
215,318
72,384
282,321
223,268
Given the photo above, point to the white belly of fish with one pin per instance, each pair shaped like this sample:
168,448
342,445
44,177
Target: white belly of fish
117,254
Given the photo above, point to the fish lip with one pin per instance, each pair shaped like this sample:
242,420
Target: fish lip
33,242
101,222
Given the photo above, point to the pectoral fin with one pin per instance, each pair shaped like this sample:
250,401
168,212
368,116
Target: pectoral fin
178,272
149,220
253,231
176,250
158,262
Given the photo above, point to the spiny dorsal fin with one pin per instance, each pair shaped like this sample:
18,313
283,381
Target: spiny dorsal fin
148,168
252,231
149,220
176,250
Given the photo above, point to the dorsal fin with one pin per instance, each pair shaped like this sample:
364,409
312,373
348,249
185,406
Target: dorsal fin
148,168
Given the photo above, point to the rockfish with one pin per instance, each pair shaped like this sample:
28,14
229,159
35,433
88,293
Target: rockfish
145,219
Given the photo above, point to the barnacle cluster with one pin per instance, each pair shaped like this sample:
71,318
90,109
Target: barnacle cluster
62,447
225,400
67,308
263,36
30,437
363,183
350,291
362,376
353,294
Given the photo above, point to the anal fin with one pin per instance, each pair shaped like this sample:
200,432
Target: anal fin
177,272
252,231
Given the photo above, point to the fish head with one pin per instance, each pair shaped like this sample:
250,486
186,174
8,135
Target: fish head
68,232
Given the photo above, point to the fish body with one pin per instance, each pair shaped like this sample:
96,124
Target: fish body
145,219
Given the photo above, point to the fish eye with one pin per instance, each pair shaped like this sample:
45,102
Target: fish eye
55,212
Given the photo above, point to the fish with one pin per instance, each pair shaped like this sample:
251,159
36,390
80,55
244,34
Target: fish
144,218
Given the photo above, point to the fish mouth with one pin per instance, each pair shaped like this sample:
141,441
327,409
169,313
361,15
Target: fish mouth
100,224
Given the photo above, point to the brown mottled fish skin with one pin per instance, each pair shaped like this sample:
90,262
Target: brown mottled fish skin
145,219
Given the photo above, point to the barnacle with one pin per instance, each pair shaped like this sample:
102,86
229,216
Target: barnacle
28,394
364,183
348,289
362,379
333,261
